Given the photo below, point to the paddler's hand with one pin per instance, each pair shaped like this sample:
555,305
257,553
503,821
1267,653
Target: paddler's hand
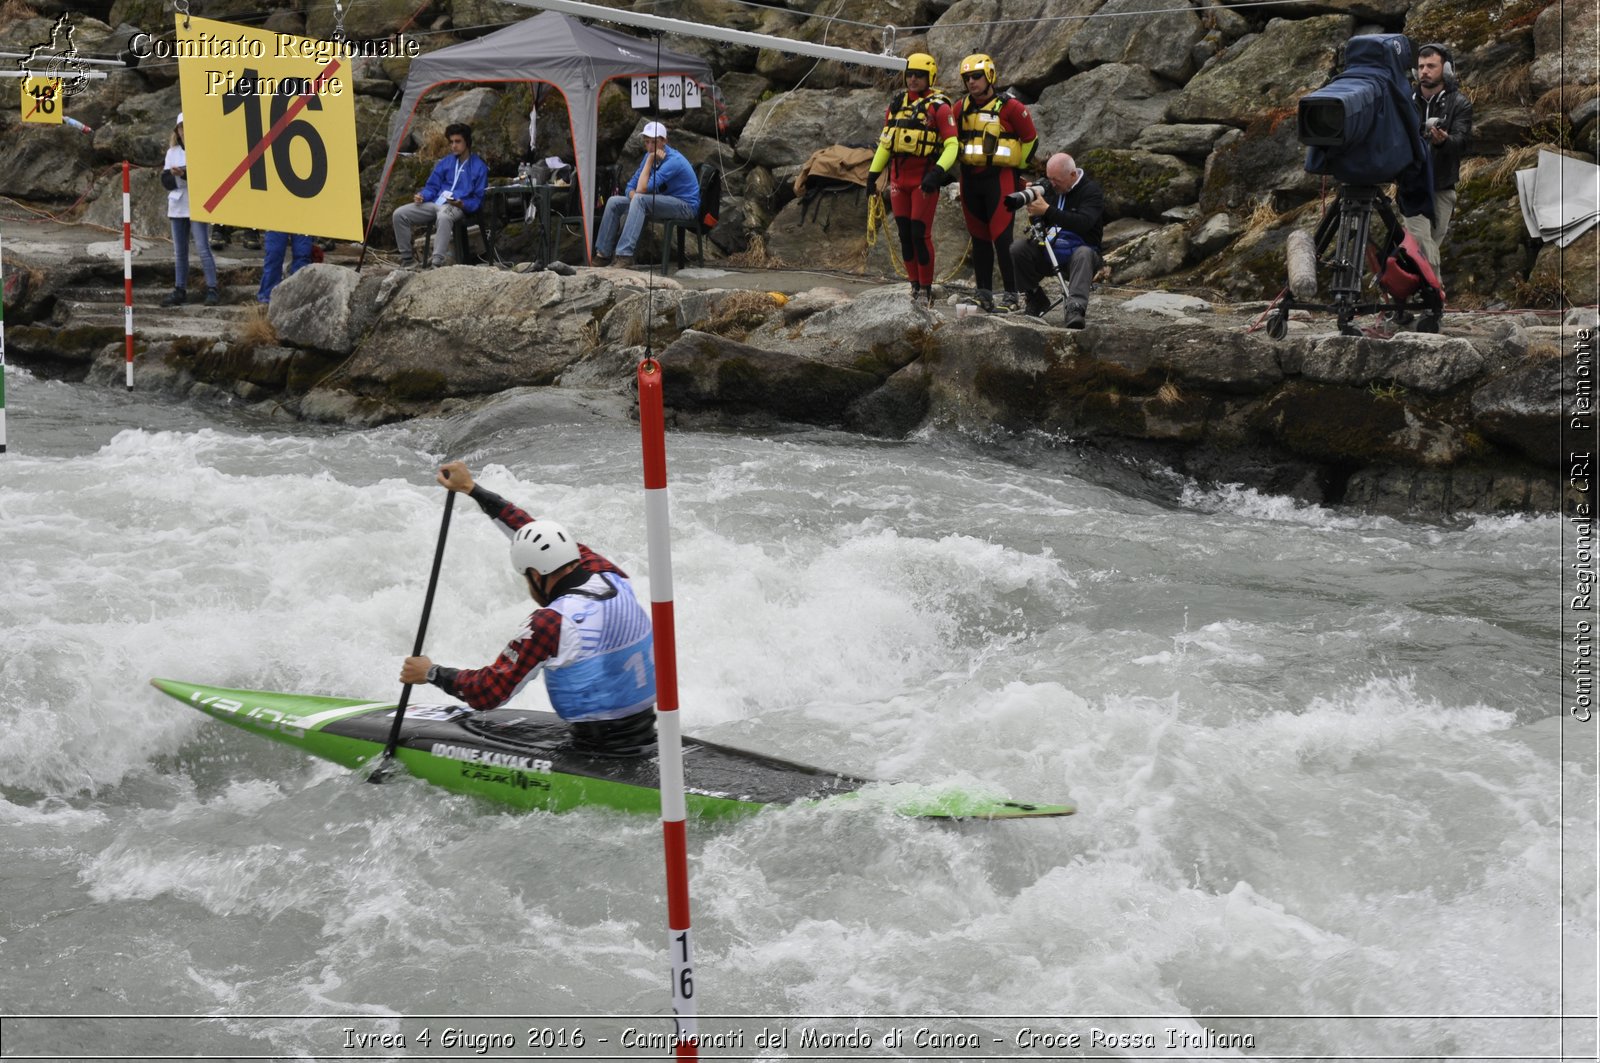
456,476
415,670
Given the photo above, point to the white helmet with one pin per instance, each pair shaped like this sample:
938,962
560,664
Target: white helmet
543,546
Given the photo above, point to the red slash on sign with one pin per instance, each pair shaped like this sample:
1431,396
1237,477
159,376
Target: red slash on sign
294,108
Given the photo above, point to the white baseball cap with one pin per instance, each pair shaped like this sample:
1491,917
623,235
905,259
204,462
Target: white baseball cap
655,129
180,119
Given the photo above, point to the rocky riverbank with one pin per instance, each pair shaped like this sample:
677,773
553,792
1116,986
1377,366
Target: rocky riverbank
1424,425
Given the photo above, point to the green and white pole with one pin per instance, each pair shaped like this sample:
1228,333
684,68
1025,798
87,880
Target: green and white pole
2,344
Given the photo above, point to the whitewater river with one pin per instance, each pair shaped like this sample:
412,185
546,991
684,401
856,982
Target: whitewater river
1318,757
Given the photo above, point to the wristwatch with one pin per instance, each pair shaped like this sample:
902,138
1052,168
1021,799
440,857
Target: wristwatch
433,673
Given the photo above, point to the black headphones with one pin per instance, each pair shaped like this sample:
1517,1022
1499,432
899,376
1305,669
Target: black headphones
1444,53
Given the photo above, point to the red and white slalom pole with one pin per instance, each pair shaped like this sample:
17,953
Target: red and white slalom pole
669,736
127,268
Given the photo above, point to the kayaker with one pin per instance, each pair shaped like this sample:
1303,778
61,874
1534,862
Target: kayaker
589,636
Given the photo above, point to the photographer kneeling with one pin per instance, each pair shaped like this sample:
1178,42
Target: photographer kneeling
1073,205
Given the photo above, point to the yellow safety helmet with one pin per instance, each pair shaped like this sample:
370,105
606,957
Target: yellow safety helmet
922,63
979,63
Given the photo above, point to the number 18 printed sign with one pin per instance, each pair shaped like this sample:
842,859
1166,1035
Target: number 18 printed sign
269,130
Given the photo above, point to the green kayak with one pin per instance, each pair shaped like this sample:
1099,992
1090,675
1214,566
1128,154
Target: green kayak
524,759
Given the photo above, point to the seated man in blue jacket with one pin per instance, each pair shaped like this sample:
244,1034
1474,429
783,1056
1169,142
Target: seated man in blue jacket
454,189
1073,207
663,188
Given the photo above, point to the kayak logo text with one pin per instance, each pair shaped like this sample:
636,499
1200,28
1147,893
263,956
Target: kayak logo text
267,719
490,757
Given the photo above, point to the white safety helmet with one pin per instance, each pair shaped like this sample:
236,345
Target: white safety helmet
543,546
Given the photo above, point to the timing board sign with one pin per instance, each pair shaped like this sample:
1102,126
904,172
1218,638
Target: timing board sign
41,100
269,129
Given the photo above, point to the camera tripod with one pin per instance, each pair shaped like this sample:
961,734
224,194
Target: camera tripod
1347,226
1047,237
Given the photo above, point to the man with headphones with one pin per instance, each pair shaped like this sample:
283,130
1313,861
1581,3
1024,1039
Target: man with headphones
1446,117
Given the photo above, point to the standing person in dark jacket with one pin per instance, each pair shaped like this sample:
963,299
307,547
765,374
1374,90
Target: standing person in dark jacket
917,147
1074,206
1446,117
997,140
590,636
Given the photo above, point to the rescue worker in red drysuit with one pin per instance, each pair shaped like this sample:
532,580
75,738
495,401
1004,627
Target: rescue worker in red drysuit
997,140
918,147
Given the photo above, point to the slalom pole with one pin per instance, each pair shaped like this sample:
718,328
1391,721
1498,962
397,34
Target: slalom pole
669,739
2,344
127,268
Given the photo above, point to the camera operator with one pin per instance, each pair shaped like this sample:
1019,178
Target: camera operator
1446,117
1074,205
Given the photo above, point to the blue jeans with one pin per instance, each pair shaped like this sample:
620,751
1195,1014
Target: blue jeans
181,227
273,245
639,209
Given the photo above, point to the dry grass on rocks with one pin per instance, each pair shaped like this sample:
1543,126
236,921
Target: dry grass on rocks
256,330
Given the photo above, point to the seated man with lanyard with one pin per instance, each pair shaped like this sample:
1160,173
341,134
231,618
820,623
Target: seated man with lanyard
663,188
590,636
1073,206
455,189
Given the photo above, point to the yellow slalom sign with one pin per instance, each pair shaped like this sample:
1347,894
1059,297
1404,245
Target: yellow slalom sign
269,130
41,100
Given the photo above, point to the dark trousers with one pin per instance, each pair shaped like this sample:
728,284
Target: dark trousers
1033,266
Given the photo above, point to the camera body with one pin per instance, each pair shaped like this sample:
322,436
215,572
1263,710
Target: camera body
1360,128
1017,200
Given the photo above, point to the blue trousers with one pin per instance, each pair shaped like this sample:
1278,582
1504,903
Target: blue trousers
181,228
273,245
637,210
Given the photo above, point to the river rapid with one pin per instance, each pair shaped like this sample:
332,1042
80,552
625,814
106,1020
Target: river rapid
1328,800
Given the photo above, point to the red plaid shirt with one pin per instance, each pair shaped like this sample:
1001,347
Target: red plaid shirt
538,641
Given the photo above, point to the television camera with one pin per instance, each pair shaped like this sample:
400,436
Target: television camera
1361,130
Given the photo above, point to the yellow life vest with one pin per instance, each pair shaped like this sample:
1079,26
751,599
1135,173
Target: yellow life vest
907,132
984,141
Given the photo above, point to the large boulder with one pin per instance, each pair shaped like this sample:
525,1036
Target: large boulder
1288,59
1264,164
523,329
702,371
312,308
1427,363
1139,183
1028,39
857,24
374,19
1566,37
1189,141
53,162
1487,252
1331,423
1157,37
1154,254
147,200
831,233
1564,272
880,331
1110,104
786,129
1522,409
141,128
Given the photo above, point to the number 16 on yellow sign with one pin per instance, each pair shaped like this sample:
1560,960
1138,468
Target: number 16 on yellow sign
269,130
41,100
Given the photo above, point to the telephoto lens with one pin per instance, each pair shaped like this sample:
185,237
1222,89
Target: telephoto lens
1017,200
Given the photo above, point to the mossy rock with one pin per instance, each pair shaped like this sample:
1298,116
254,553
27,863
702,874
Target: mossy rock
1569,271
1486,254
417,385
1141,184
1470,24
